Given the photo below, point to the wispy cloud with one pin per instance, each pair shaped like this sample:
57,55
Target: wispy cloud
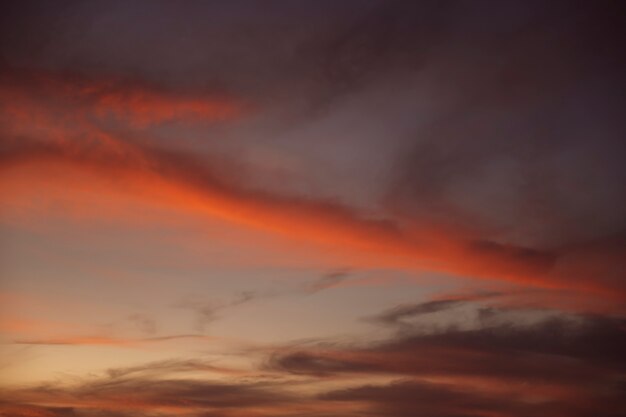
329,280
206,312
170,367
398,314
108,341
143,390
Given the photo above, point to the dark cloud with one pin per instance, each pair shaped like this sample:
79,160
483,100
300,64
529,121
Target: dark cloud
398,314
484,306
409,399
557,349
506,365
574,364
525,150
9,409
197,44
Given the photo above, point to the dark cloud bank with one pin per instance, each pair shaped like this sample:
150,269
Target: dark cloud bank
561,365
552,365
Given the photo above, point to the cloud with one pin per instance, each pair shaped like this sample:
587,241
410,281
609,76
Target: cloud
206,312
505,365
66,135
397,314
145,390
404,399
97,123
144,396
107,341
168,368
26,410
505,155
411,398
473,139
329,280
171,178
513,364
96,100
560,350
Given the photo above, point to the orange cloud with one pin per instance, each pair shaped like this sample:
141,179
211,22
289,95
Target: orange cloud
142,107
59,102
69,140
355,240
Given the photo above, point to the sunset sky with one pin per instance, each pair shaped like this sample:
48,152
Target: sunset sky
312,208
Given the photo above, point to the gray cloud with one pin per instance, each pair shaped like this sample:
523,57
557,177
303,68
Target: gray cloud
207,312
329,280
165,368
574,362
398,314
411,398
562,349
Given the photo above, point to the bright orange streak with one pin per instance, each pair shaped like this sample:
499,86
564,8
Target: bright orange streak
109,341
359,242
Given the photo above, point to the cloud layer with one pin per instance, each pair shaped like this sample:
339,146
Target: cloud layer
475,143
509,363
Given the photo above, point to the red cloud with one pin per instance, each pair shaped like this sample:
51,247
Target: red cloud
41,97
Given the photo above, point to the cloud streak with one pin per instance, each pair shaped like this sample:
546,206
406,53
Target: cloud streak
108,341
180,181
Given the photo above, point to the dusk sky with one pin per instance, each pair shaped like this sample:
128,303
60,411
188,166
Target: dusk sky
312,208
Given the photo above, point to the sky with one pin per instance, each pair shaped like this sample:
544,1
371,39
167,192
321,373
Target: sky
312,209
